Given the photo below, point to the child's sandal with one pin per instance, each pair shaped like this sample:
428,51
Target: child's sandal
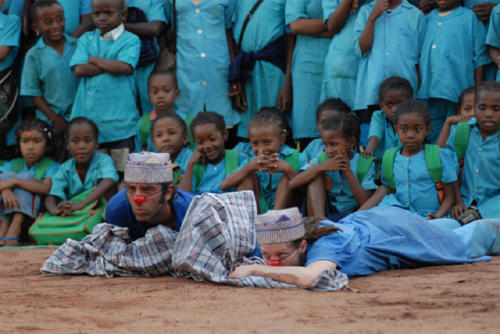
468,216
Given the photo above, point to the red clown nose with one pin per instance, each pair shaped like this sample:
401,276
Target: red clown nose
139,199
274,262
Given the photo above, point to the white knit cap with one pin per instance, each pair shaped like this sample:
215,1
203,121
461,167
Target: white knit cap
148,167
277,226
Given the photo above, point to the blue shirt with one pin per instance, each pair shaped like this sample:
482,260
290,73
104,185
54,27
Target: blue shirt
493,35
66,183
73,10
119,213
395,51
313,150
10,31
49,173
13,7
153,9
47,74
106,98
383,129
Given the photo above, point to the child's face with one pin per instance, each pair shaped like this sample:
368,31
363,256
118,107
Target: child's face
447,4
392,99
168,136
50,23
467,107
82,143
324,116
265,139
32,145
162,92
412,130
488,112
107,14
210,142
336,143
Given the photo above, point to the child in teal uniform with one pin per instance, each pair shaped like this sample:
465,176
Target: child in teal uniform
25,179
104,61
452,59
406,175
210,163
336,172
305,19
465,112
78,15
87,169
493,39
480,183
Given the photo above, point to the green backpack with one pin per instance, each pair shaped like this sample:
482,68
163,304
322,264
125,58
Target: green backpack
145,130
362,168
231,162
40,170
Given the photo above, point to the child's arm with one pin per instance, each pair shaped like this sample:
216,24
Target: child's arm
111,65
371,146
310,27
186,183
37,187
338,163
445,204
494,55
445,131
236,178
376,198
339,17
366,39
87,70
285,97
58,121
479,75
99,191
361,195
4,51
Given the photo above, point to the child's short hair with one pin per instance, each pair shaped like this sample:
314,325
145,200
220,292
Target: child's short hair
36,124
395,83
166,72
332,104
347,124
82,120
209,117
173,116
41,4
492,86
466,92
413,106
270,115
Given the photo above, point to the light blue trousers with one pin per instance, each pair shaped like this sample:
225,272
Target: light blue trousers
30,203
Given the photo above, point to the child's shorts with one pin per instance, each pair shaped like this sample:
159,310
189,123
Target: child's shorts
30,203
118,151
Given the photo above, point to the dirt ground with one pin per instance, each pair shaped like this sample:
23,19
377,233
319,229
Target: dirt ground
448,299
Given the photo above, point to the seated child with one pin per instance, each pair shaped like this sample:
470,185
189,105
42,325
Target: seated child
87,169
416,177
210,163
170,136
346,176
274,163
22,179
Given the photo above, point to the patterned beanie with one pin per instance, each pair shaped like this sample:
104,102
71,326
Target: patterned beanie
277,226
148,167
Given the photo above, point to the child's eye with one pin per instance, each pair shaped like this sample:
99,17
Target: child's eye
496,107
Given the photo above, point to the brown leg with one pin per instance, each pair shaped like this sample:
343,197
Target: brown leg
316,198
284,196
14,230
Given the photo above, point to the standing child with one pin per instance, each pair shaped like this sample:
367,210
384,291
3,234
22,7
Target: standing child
105,60
416,177
210,163
78,15
493,39
347,177
477,143
24,178
452,59
464,113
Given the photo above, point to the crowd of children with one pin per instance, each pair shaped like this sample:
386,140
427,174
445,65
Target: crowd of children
389,103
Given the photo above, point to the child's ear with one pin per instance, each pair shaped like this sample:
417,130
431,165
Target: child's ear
283,138
352,143
226,135
177,93
35,28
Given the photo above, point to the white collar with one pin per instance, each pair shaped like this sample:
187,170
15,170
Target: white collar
114,34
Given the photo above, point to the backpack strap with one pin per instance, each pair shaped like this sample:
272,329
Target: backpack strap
322,157
198,171
144,128
434,167
18,165
293,160
42,168
388,166
462,139
247,19
363,167
231,161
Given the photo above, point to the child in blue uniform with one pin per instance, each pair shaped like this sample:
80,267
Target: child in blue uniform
452,59
210,163
87,169
78,16
493,39
104,61
336,172
170,135
305,19
412,187
465,112
480,183
24,178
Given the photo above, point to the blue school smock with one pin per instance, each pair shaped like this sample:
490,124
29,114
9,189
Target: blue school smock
266,80
493,35
386,239
481,171
10,31
66,183
342,61
307,68
49,173
203,57
73,10
47,74
395,51
119,213
382,128
415,190
106,98
313,149
13,7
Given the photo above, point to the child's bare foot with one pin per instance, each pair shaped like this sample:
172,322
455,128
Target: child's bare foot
3,229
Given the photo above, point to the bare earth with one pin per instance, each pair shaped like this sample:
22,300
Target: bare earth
448,299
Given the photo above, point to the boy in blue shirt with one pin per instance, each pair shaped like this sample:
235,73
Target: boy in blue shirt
78,15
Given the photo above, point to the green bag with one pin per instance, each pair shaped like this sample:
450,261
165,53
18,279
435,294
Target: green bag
40,170
50,229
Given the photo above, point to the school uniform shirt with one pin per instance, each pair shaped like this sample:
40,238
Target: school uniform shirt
493,35
203,56
313,149
415,190
14,7
10,31
453,48
47,74
73,10
106,98
381,128
266,80
66,183
49,173
395,51
307,68
481,171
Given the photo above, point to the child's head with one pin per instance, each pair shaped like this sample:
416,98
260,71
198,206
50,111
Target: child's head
34,139
48,20
82,139
391,93
328,108
108,14
413,123
340,134
267,131
169,133
163,90
447,4
209,133
487,107
466,103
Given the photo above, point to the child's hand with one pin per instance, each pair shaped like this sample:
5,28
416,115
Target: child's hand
10,200
367,154
60,123
237,94
456,119
62,208
196,157
7,184
75,206
355,5
379,8
285,98
431,215
94,60
457,210
340,162
483,10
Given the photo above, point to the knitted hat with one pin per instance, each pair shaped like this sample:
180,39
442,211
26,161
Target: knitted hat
277,226
148,167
